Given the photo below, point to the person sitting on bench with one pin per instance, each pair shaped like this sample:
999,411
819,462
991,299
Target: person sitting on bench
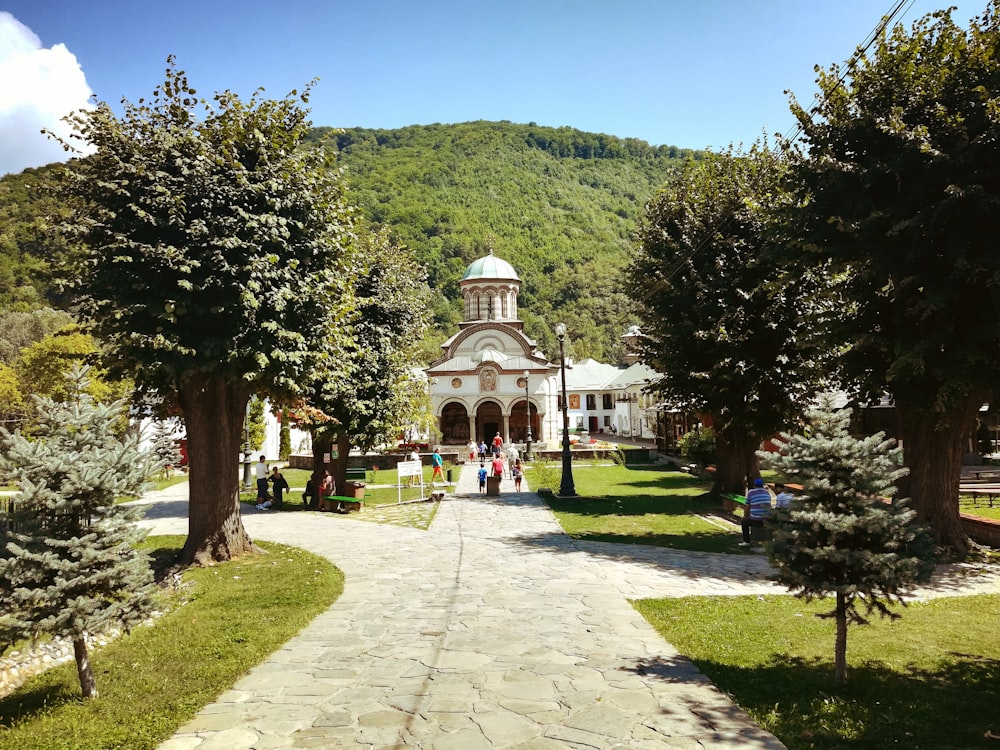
327,491
757,508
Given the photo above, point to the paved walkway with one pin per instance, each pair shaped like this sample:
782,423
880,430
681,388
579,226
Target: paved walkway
491,630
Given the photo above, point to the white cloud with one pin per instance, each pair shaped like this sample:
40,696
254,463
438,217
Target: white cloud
38,87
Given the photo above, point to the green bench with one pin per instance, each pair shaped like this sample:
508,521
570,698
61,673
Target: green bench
357,475
343,504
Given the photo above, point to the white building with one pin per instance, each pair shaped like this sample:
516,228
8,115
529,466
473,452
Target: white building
492,378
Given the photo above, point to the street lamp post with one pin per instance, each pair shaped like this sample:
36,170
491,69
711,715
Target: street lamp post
527,412
566,488
246,448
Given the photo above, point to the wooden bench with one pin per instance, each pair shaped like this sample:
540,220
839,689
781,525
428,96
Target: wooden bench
989,491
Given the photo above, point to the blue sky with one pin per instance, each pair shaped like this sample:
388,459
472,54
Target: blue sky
690,73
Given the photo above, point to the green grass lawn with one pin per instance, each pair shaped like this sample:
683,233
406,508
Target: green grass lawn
638,505
160,482
928,680
980,508
153,681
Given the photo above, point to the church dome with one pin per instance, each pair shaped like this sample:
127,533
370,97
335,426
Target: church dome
490,267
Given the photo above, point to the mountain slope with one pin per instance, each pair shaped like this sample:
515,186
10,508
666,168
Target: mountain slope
559,204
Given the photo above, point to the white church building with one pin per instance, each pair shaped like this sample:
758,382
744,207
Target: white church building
492,378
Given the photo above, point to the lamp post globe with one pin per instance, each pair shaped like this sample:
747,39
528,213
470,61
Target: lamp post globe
527,413
566,488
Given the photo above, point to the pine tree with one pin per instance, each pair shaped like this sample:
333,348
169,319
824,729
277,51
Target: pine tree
69,565
164,447
285,435
842,535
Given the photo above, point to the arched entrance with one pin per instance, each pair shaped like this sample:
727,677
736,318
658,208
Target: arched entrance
489,421
454,424
519,423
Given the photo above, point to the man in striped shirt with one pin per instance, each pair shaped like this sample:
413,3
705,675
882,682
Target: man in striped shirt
757,508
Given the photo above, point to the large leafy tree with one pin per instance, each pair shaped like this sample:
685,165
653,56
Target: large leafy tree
213,265
842,536
899,167
371,403
730,339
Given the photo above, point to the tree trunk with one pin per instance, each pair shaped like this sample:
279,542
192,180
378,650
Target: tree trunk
88,684
214,410
840,644
322,441
933,446
736,462
340,463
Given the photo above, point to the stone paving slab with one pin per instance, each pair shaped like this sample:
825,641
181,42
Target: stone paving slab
491,630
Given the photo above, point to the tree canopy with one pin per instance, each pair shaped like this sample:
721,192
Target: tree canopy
729,338
898,170
369,404
213,263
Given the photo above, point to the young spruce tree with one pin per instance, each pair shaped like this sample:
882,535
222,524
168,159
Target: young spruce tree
843,536
69,565
164,447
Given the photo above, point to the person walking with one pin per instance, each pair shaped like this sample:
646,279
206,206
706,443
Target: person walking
438,463
473,450
482,478
410,480
516,472
756,510
497,444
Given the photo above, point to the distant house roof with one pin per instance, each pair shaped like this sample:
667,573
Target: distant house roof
588,375
637,373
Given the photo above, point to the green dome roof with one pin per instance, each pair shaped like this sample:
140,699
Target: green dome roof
490,267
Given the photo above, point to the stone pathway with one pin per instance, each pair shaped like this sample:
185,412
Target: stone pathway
490,630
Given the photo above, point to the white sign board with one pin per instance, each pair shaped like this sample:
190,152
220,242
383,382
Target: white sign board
410,468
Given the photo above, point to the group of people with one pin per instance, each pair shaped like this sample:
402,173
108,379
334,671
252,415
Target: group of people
759,503
265,500
495,448
320,498
504,462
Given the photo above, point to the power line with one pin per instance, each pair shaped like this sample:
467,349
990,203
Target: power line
795,131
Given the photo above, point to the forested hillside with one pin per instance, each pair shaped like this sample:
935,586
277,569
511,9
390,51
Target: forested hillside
559,204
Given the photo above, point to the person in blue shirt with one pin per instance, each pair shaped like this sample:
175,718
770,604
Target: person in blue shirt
757,508
438,463
482,477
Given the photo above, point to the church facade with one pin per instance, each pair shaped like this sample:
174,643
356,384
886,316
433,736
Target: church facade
492,378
